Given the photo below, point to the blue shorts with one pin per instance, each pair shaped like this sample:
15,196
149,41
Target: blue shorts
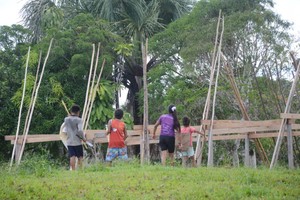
113,153
75,151
189,152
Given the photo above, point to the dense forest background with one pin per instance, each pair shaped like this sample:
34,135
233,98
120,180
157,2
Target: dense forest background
256,42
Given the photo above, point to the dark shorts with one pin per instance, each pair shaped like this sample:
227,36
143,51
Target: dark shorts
167,143
75,151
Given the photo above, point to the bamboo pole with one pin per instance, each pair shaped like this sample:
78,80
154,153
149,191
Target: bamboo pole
34,101
20,109
88,85
92,83
200,145
33,93
210,141
94,93
64,104
284,120
261,151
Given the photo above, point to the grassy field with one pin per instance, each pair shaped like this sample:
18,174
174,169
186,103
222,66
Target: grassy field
40,180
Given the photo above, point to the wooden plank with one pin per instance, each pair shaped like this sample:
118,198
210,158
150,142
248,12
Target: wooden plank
245,130
258,129
295,126
217,124
138,127
251,136
135,140
289,116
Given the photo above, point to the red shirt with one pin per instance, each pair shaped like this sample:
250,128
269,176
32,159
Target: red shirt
188,130
117,134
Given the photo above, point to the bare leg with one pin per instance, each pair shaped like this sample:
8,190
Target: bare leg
193,161
171,155
72,162
163,157
80,162
184,161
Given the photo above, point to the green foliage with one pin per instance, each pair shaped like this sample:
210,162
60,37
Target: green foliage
65,76
102,110
131,181
13,47
127,118
36,164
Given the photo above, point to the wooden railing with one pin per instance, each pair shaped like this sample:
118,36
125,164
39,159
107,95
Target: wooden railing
222,130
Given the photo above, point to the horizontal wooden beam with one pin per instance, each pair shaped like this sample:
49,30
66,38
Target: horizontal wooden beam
239,123
135,140
289,116
222,130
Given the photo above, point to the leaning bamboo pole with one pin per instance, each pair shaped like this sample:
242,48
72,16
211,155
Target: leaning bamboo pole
94,94
31,100
210,141
200,144
88,85
20,109
32,94
284,120
92,86
34,101
258,145
66,109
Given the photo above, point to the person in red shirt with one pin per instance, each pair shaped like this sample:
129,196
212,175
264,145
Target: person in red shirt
186,142
117,134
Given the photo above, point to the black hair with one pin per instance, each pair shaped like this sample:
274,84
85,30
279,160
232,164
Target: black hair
186,121
119,113
75,108
172,110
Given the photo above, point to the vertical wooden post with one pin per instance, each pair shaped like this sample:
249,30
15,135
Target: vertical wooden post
290,144
247,149
252,158
18,150
144,147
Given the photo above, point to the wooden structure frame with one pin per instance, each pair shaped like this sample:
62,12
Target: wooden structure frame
222,130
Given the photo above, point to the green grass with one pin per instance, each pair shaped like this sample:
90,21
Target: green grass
132,181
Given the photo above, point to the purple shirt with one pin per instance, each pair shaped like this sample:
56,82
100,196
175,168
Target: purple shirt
167,124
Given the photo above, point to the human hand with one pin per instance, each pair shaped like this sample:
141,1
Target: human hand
154,137
179,146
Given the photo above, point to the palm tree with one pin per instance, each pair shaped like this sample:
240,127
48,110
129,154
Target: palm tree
38,15
134,20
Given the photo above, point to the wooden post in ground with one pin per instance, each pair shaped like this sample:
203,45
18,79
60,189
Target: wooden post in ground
247,150
252,159
290,144
144,146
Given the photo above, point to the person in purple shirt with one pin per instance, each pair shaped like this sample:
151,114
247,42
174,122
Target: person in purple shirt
169,124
